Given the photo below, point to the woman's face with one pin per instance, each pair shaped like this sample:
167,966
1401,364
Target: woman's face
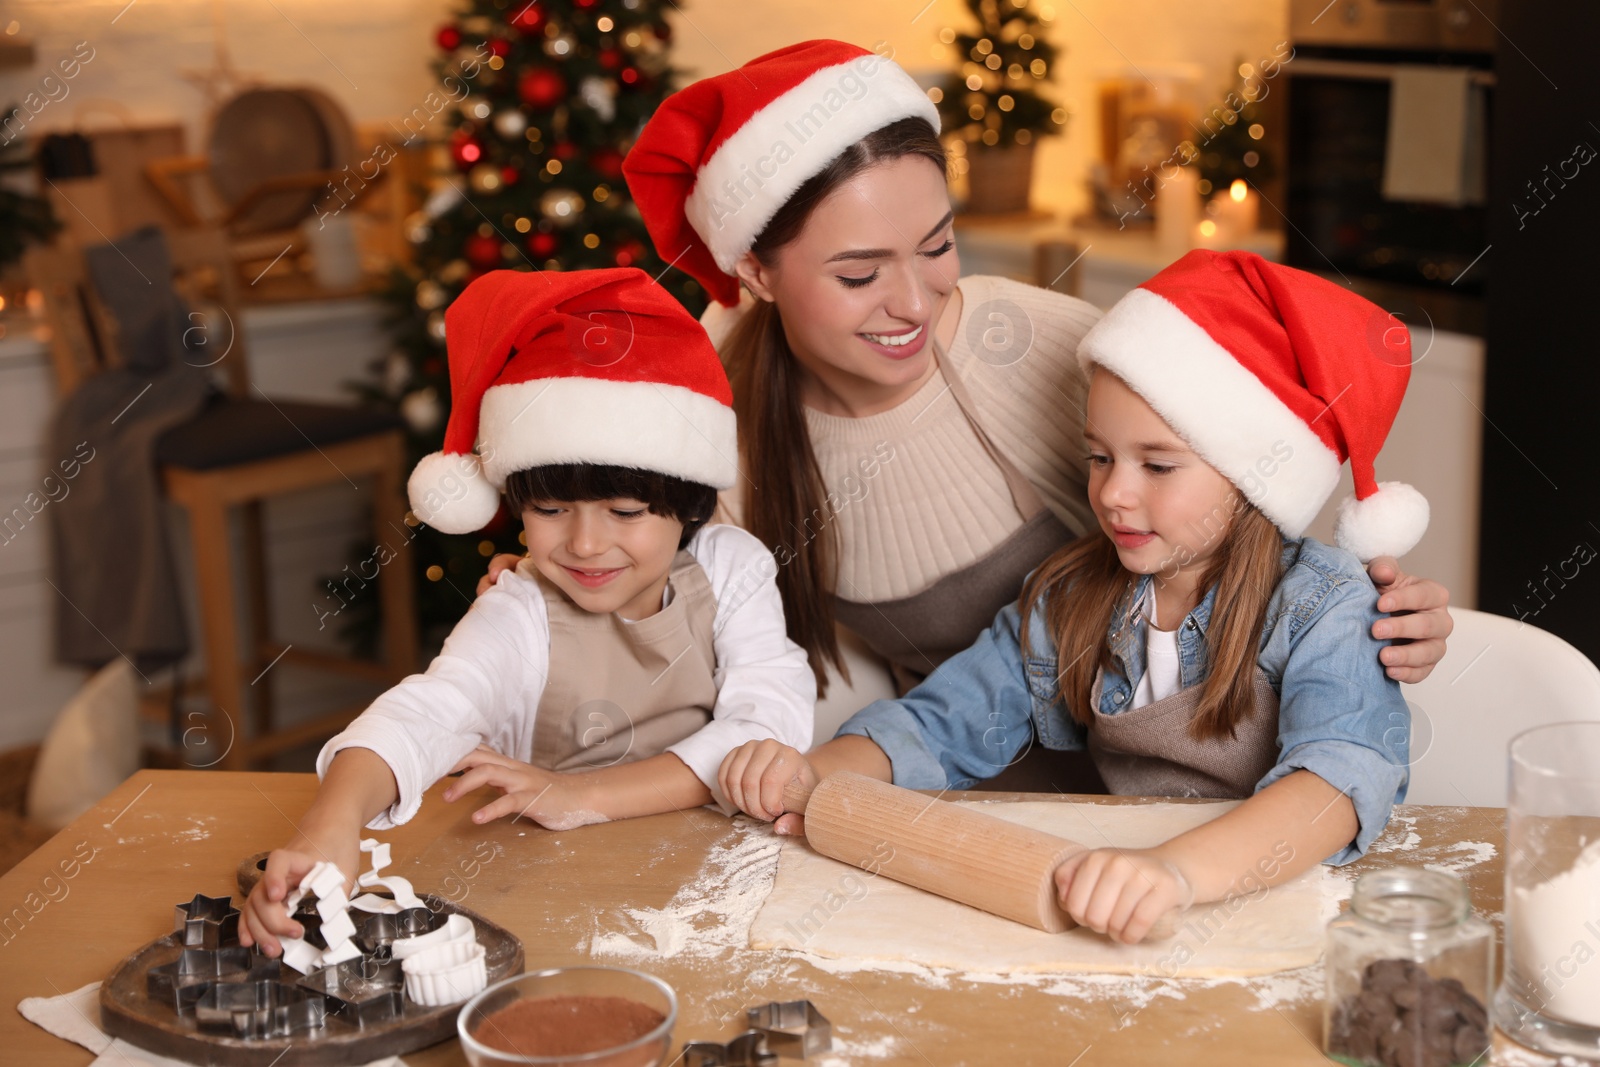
861,288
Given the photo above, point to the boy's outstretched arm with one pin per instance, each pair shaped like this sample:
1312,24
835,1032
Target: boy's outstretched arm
1285,829
562,800
358,785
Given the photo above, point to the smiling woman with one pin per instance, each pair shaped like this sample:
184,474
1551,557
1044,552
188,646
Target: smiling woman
855,338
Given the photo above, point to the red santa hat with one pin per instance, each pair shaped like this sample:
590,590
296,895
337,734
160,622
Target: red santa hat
1275,377
720,157
595,366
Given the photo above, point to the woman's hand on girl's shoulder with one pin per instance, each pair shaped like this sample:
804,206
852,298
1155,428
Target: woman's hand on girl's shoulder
753,777
1418,624
505,561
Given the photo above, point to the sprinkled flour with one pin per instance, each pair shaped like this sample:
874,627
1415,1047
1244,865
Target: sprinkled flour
709,920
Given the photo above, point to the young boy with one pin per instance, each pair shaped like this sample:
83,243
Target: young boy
608,674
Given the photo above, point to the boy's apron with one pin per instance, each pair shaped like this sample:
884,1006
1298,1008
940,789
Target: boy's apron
621,691
1149,751
919,632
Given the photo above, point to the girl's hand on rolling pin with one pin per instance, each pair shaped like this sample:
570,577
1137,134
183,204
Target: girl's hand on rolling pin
1121,892
505,561
753,775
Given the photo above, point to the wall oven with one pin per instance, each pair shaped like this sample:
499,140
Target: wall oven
1388,134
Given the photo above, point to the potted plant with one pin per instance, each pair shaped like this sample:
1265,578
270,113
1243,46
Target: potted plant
991,105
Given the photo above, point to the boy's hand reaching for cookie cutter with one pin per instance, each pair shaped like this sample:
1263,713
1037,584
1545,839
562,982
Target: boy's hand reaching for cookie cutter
554,800
1121,893
264,919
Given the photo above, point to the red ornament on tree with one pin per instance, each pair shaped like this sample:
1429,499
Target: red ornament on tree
499,46
465,148
610,58
530,18
629,253
544,245
542,88
608,162
565,151
448,38
585,5
630,77
662,31
509,175
482,252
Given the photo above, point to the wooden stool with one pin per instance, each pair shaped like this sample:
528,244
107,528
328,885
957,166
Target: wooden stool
239,452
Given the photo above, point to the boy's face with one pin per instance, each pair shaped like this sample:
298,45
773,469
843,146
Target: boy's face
605,555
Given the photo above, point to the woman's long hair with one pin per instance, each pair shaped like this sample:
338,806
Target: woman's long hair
785,500
1082,584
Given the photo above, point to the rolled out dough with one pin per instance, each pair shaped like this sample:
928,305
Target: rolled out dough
827,908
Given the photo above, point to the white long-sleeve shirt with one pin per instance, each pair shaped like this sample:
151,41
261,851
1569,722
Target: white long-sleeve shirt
485,685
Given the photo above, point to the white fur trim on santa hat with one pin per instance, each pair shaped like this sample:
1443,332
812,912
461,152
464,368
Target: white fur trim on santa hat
450,493
757,169
1390,522
655,427
1220,408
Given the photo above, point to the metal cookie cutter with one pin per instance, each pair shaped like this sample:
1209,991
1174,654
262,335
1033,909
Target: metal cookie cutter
360,992
793,1028
749,1049
185,980
260,1009
206,922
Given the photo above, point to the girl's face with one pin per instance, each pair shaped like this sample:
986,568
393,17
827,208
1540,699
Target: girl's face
861,288
1163,506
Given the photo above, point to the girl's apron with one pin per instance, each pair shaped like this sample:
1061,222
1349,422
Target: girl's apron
1149,751
919,632
620,691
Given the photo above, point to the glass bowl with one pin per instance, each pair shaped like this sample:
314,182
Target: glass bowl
569,997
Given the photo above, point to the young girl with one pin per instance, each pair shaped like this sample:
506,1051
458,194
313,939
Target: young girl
612,672
1199,646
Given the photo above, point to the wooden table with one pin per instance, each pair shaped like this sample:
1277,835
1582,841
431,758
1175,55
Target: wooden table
163,836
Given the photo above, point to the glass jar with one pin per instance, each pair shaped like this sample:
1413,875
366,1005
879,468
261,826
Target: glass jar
1549,996
1409,969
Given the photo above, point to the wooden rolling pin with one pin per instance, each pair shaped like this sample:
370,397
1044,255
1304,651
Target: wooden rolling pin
942,848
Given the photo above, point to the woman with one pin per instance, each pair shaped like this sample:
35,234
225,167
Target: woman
911,440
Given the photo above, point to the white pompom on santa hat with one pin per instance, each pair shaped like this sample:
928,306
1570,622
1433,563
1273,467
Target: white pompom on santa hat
1275,377
595,366
720,157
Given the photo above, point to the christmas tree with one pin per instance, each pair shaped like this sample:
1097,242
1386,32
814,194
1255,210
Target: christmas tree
1233,145
545,99
992,99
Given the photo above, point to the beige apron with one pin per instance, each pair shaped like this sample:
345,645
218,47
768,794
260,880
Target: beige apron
919,632
620,691
1149,751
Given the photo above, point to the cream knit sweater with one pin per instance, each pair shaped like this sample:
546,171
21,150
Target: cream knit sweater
918,497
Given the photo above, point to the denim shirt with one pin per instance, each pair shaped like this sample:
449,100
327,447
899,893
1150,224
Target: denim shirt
1340,716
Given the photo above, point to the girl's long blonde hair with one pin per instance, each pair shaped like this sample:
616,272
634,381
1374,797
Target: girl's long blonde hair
1080,586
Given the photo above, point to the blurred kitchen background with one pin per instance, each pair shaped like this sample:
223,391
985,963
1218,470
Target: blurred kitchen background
319,179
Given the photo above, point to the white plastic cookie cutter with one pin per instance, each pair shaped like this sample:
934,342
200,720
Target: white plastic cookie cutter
327,882
446,973
404,896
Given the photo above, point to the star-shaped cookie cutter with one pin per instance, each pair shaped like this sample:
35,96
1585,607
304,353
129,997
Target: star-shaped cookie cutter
206,922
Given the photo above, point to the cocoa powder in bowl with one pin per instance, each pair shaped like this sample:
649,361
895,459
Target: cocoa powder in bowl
572,1025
